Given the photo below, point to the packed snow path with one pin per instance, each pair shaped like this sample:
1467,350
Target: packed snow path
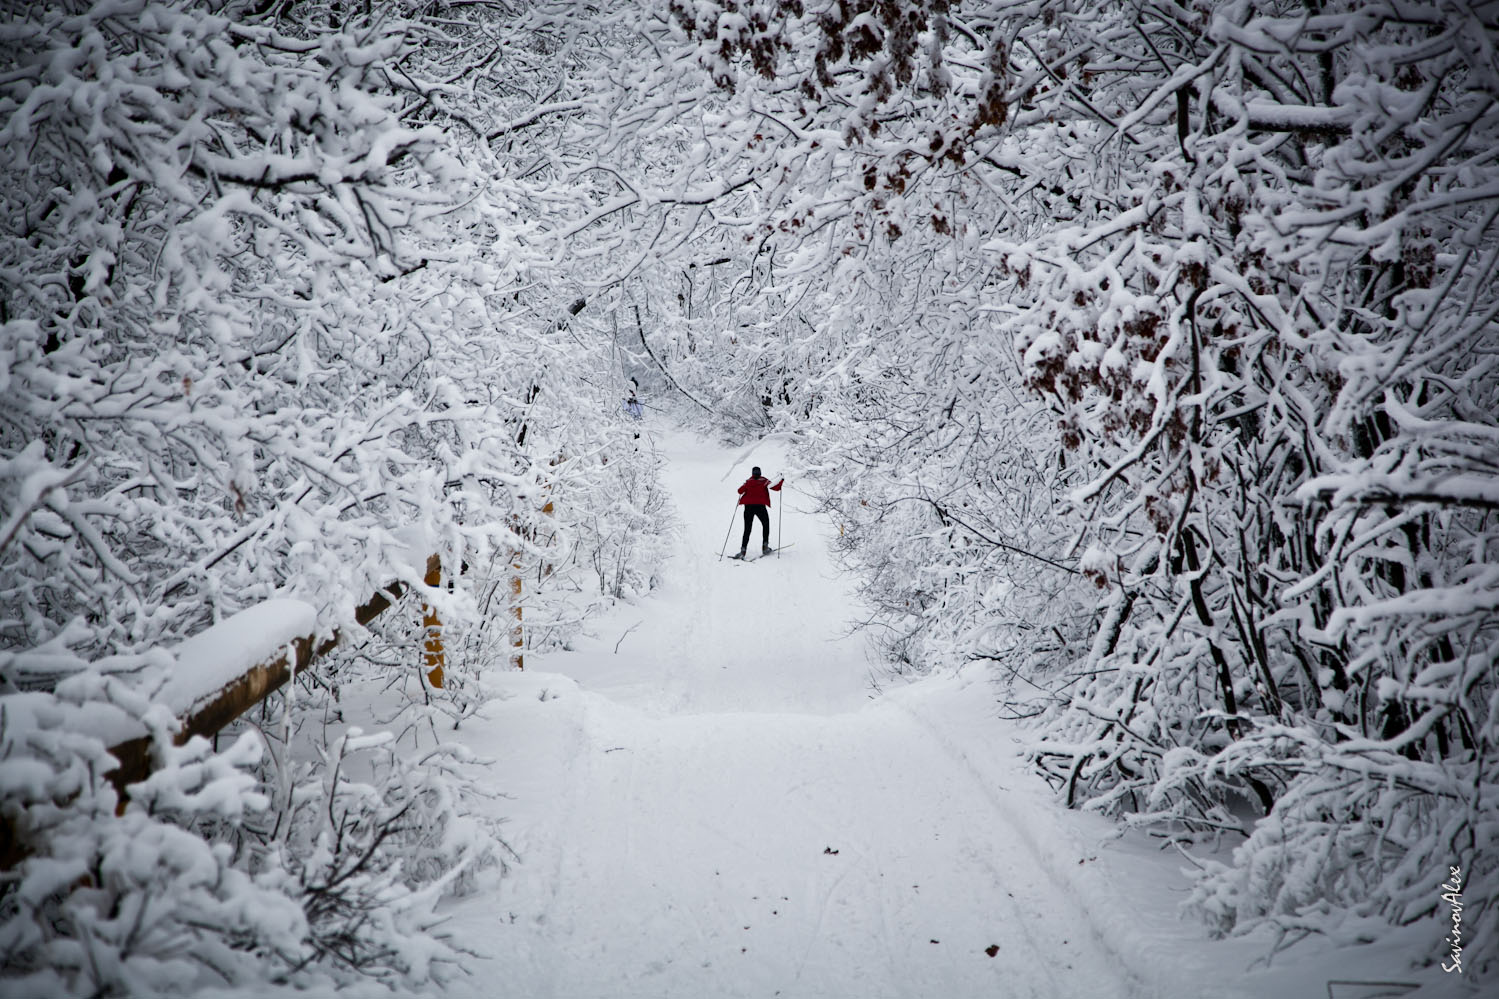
724,806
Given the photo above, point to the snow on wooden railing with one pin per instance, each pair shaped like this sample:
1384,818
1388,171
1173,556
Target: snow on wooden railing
218,675
230,667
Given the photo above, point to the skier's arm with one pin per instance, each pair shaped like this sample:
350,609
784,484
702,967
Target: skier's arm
777,486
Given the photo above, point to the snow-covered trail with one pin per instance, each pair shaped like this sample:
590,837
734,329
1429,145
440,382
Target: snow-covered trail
724,808
766,635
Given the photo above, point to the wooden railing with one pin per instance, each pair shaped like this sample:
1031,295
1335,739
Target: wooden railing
210,711
206,701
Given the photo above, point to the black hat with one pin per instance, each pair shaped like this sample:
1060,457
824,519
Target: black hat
755,471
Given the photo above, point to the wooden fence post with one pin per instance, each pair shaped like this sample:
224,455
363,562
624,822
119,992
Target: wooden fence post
517,634
433,657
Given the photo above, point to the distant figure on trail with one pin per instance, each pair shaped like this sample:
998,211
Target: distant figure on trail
754,496
635,409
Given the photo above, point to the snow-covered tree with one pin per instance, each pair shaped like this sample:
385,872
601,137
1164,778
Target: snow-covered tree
274,323
1243,256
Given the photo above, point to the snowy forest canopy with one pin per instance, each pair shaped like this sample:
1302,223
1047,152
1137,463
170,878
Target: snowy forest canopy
1148,355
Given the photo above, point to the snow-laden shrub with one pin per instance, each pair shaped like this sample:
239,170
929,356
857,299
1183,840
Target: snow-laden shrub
375,837
98,901
207,877
627,538
1346,848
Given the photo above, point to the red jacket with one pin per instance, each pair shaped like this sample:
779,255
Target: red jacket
755,491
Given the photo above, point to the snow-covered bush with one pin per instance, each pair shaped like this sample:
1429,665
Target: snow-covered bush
201,879
374,839
638,518
102,902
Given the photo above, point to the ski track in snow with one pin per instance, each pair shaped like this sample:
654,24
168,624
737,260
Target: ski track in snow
725,808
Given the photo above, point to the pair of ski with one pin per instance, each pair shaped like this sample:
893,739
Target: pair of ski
746,558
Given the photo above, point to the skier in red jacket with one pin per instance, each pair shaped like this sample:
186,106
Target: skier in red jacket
754,496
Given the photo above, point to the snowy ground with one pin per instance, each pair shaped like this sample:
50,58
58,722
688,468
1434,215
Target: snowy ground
709,799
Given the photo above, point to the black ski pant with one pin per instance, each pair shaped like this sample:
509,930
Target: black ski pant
751,511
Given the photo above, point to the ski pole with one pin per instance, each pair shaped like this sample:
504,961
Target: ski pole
780,516
728,532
